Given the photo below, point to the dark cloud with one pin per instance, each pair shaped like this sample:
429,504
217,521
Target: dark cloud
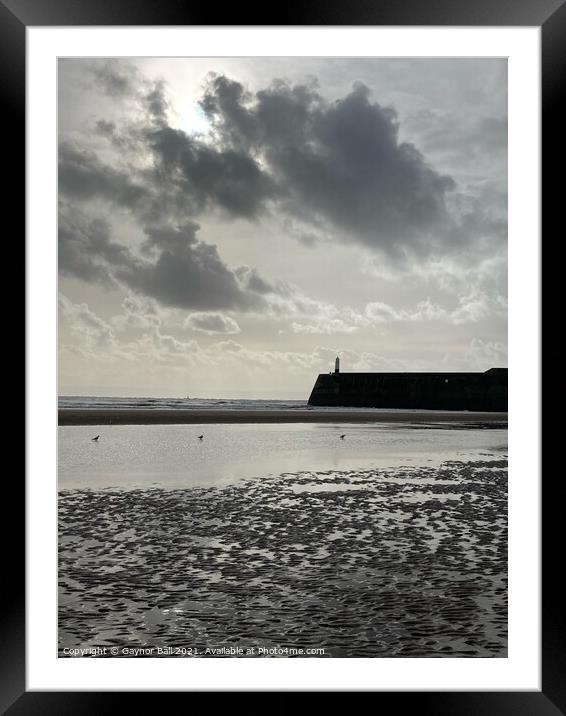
337,167
83,176
189,174
337,163
156,103
86,250
123,141
186,272
226,102
331,169
122,80
224,179
173,266
116,79
104,128
187,178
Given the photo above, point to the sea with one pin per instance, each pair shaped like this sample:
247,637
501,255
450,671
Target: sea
74,401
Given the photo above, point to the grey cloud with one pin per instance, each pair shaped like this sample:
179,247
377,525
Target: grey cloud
340,163
105,128
187,178
123,141
253,281
337,167
122,80
83,176
451,134
94,331
331,169
212,323
309,240
175,267
186,272
493,131
209,178
226,100
156,103
115,79
86,249
189,174
486,354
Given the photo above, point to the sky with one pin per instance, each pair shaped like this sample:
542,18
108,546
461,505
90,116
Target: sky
228,226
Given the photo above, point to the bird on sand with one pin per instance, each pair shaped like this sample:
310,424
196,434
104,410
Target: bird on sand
95,438
342,437
200,437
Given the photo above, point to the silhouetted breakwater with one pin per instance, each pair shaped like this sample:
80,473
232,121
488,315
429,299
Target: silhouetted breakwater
486,392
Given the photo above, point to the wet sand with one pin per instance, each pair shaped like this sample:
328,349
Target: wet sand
117,416
403,562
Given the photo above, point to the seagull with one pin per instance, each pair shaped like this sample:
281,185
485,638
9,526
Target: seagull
95,439
200,437
342,437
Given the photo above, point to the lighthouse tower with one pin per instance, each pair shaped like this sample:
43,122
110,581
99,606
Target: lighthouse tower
337,365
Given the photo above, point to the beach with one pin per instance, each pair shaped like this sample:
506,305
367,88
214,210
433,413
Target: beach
195,416
283,540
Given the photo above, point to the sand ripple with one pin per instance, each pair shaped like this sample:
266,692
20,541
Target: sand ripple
392,563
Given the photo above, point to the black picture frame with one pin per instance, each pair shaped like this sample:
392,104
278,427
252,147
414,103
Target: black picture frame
15,17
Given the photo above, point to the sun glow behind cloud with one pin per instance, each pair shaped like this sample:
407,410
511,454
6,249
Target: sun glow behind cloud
276,208
190,118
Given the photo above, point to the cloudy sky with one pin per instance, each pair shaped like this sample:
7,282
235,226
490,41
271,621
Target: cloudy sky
228,226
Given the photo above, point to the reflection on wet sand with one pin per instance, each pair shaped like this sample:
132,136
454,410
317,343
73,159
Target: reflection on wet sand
363,563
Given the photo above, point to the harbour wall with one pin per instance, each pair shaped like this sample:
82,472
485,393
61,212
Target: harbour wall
484,392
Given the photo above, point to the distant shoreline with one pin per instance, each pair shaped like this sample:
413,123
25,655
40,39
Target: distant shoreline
118,416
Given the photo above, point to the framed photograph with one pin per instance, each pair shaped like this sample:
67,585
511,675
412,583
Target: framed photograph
283,354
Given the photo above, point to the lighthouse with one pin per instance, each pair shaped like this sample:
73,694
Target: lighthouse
337,365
